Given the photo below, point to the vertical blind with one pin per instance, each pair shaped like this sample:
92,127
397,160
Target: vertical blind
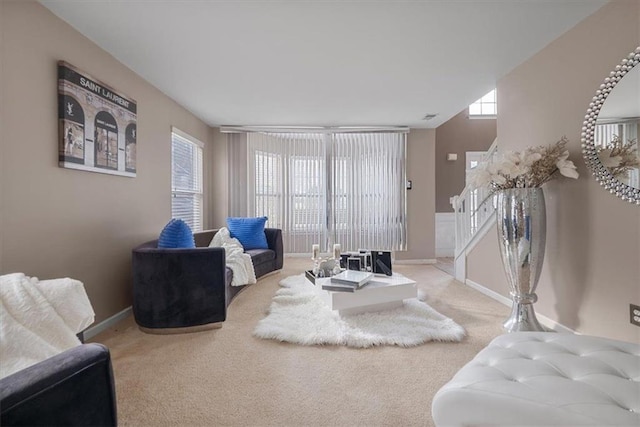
186,179
368,196
622,130
324,188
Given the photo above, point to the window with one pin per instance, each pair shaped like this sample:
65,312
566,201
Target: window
616,130
325,188
485,107
268,191
186,179
307,185
613,133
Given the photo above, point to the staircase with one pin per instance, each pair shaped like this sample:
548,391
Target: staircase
474,216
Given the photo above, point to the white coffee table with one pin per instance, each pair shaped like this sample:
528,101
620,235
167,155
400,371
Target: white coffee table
380,293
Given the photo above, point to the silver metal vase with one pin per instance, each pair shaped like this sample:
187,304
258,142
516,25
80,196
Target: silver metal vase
522,226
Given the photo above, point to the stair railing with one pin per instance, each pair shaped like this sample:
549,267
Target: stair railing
473,208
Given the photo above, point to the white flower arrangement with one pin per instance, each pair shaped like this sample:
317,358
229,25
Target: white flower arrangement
619,157
530,168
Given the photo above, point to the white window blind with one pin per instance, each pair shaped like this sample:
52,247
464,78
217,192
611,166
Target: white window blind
186,179
368,191
618,131
324,188
621,130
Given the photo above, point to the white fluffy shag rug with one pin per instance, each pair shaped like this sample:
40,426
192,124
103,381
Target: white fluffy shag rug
298,315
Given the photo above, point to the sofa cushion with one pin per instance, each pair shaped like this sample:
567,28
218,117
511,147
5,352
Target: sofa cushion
249,231
260,256
176,234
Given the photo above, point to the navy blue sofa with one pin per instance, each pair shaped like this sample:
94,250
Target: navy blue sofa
187,288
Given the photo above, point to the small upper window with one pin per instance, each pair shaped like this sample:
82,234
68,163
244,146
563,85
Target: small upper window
485,107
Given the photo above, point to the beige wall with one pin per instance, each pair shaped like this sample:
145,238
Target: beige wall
592,265
60,222
458,135
421,199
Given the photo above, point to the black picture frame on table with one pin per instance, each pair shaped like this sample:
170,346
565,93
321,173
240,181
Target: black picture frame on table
354,263
381,263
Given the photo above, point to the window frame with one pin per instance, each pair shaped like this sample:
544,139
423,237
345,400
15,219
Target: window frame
481,103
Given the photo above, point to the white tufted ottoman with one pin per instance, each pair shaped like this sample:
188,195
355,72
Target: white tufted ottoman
544,378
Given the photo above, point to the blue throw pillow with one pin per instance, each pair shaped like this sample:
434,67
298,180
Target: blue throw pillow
249,231
176,234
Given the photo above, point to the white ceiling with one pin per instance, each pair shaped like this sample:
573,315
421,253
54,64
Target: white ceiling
326,63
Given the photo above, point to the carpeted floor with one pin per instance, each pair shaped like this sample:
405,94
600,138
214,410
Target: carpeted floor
228,377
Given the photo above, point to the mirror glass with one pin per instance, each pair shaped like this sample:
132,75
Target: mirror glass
617,127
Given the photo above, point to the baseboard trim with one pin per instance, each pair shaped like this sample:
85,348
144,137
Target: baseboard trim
298,255
107,323
546,321
414,261
395,261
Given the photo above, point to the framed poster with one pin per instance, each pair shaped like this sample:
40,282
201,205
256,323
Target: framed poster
96,125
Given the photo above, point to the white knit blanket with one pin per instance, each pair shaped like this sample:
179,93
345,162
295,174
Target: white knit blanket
237,260
39,319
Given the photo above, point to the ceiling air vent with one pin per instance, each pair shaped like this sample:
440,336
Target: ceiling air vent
429,116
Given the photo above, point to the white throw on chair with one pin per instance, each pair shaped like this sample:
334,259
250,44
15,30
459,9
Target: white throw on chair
39,319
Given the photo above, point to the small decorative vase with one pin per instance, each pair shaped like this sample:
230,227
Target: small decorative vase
327,265
521,220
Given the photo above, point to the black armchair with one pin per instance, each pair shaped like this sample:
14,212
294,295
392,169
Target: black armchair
73,388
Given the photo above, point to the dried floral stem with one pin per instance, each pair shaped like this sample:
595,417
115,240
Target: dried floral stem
619,157
532,168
